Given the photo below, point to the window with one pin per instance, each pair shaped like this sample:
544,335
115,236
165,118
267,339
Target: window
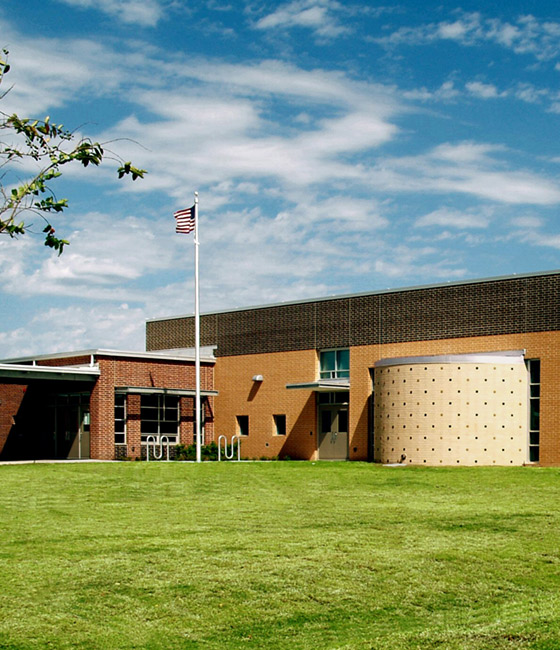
534,368
242,425
334,364
279,425
120,419
340,397
159,415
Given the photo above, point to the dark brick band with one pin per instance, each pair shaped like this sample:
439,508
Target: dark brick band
489,307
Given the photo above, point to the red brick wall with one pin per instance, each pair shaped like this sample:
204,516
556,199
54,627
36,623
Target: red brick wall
122,372
141,373
11,397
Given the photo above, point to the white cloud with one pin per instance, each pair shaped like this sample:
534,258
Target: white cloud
48,73
99,264
145,13
465,152
466,168
528,93
528,35
76,328
527,222
311,14
446,92
220,134
447,218
417,263
483,90
531,230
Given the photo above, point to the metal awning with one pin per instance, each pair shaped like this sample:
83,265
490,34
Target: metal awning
323,385
61,373
181,392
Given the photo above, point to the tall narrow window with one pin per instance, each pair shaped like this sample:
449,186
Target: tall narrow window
120,419
279,425
159,415
242,425
334,364
534,368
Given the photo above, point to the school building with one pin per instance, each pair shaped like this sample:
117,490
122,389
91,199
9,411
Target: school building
461,373
102,404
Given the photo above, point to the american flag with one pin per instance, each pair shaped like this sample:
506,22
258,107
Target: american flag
185,220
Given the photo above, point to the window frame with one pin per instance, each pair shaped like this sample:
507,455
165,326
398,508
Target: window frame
165,405
339,370
533,416
123,419
280,424
242,425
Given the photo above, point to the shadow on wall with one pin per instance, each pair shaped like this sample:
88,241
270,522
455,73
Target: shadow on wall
361,443
301,438
24,422
254,390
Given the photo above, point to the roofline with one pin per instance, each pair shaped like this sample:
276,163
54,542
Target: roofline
500,356
99,352
456,283
15,371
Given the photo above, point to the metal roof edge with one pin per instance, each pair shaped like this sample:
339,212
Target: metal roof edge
454,283
100,352
14,370
498,356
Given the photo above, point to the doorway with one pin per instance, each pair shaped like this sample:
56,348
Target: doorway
333,432
72,426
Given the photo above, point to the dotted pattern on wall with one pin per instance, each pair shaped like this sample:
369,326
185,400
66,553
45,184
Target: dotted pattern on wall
451,414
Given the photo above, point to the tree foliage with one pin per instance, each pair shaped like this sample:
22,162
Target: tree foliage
50,146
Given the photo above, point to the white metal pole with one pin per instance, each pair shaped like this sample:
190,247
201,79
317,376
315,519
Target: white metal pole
197,334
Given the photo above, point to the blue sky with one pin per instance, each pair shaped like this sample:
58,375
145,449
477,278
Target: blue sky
337,148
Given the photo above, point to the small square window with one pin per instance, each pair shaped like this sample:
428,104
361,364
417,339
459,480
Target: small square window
279,425
242,425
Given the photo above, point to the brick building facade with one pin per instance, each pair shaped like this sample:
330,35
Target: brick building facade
101,404
298,379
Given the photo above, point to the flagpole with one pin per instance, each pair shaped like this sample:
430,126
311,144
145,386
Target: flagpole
197,335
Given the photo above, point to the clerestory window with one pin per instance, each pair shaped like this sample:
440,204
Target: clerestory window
334,364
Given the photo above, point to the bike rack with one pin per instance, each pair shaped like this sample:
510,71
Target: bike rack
156,455
229,454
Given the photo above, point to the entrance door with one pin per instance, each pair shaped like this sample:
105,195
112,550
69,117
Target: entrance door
333,432
72,436
72,432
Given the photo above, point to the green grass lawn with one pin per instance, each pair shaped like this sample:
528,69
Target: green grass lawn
278,555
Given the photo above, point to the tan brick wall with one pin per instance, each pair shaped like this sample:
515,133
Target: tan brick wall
239,395
451,413
538,345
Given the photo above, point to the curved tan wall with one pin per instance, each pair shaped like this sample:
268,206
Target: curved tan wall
438,413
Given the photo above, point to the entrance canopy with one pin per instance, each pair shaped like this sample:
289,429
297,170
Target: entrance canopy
323,385
181,392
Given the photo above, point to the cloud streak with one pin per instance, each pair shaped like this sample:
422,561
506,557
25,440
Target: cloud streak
525,36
